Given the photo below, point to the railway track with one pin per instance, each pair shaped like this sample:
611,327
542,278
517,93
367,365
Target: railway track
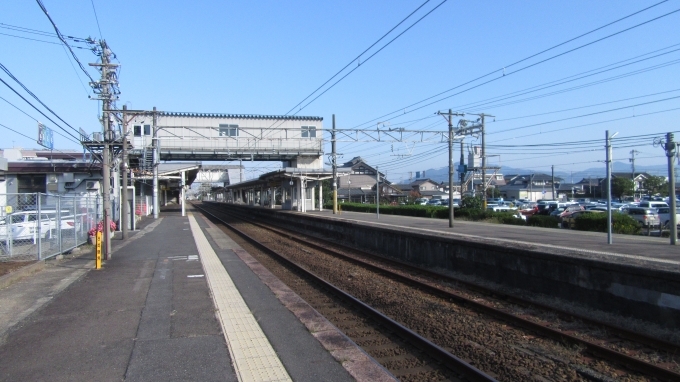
623,352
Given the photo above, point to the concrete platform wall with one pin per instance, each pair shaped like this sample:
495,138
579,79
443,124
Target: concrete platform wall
630,290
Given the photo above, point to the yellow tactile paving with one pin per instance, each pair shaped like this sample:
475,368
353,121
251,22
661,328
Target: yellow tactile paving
253,356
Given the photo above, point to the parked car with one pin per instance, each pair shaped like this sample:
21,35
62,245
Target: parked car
421,201
558,211
648,217
652,204
568,221
528,209
24,225
665,216
569,209
497,208
545,207
435,202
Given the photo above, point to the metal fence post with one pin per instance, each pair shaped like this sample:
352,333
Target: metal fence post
39,223
58,224
75,222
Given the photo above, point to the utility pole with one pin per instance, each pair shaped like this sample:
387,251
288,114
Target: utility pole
483,130
335,169
156,157
107,93
462,164
450,121
450,169
124,198
632,161
377,192
671,152
609,185
553,182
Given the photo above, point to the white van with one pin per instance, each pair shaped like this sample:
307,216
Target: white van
652,204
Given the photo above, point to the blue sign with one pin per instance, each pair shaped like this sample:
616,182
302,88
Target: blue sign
45,136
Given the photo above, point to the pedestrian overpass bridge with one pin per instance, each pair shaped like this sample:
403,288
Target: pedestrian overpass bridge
296,140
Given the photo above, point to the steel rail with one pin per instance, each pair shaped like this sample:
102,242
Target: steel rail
449,360
595,349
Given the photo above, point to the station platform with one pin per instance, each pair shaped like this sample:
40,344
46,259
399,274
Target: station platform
624,247
179,300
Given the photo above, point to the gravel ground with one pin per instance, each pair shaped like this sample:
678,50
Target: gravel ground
509,353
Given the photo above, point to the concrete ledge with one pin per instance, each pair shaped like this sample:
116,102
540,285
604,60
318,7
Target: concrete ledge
21,273
623,287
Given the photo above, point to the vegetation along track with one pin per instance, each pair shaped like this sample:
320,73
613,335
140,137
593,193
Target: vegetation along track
512,340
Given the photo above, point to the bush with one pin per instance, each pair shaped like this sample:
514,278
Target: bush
437,212
509,218
471,202
543,221
621,223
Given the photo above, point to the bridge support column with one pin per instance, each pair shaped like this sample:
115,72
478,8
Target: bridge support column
320,196
181,194
272,197
262,197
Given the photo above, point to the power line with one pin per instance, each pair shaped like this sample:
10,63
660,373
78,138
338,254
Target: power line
32,95
38,110
33,118
583,115
584,107
39,32
75,71
526,67
371,56
358,57
61,37
96,18
26,136
491,102
594,123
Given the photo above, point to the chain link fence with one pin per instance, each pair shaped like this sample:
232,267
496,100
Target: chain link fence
37,226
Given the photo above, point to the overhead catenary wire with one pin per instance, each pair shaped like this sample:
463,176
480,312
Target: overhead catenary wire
593,123
489,103
506,74
581,116
493,101
358,57
367,59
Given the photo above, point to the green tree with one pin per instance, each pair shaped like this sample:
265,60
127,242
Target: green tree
413,195
622,186
656,185
493,192
471,202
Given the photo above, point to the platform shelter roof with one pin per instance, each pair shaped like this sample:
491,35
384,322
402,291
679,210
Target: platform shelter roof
275,178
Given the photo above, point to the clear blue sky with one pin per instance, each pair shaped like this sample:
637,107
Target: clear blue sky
265,57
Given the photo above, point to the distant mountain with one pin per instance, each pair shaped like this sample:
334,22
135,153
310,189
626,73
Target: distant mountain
442,174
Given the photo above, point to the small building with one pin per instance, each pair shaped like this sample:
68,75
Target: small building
59,173
530,186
